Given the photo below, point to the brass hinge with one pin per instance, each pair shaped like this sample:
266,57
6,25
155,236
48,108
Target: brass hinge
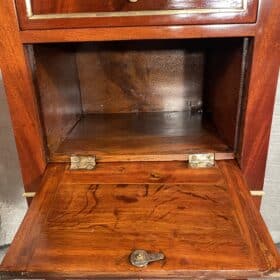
202,160
82,162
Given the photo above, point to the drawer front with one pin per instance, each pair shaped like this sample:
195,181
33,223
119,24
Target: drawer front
95,6
36,14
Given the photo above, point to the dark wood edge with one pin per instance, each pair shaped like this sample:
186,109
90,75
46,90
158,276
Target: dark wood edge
192,274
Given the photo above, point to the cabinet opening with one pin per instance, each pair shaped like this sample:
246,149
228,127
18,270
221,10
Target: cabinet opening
141,100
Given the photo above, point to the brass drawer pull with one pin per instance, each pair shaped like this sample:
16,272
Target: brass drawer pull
141,258
132,1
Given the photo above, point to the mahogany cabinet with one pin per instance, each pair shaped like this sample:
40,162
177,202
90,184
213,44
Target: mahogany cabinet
142,129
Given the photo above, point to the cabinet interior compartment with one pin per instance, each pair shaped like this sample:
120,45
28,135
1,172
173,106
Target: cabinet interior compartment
141,100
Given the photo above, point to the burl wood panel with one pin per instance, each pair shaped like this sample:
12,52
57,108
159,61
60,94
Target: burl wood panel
58,84
21,98
141,136
140,76
207,227
262,89
86,13
223,88
86,6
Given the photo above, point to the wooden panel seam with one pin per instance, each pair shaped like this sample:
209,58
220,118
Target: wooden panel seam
135,33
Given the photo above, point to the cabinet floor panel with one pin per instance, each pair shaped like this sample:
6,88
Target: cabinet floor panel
141,136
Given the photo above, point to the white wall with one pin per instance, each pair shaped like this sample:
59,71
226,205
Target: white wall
12,204
270,207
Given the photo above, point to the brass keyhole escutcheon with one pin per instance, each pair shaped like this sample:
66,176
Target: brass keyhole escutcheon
141,258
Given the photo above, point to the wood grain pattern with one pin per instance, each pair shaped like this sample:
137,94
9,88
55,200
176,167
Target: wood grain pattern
86,6
261,94
141,76
257,200
138,33
21,98
170,172
141,136
218,14
223,74
89,230
58,84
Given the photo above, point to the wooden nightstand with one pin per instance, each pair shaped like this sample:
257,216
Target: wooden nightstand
142,127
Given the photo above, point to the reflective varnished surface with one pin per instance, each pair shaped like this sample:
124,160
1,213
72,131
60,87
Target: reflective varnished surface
154,136
87,6
35,14
45,245
206,227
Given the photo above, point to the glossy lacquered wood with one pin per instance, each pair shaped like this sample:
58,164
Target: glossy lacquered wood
223,96
79,218
19,87
261,93
87,6
141,76
138,33
148,99
73,14
141,136
59,89
207,227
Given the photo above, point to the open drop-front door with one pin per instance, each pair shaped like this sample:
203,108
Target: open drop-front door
194,222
